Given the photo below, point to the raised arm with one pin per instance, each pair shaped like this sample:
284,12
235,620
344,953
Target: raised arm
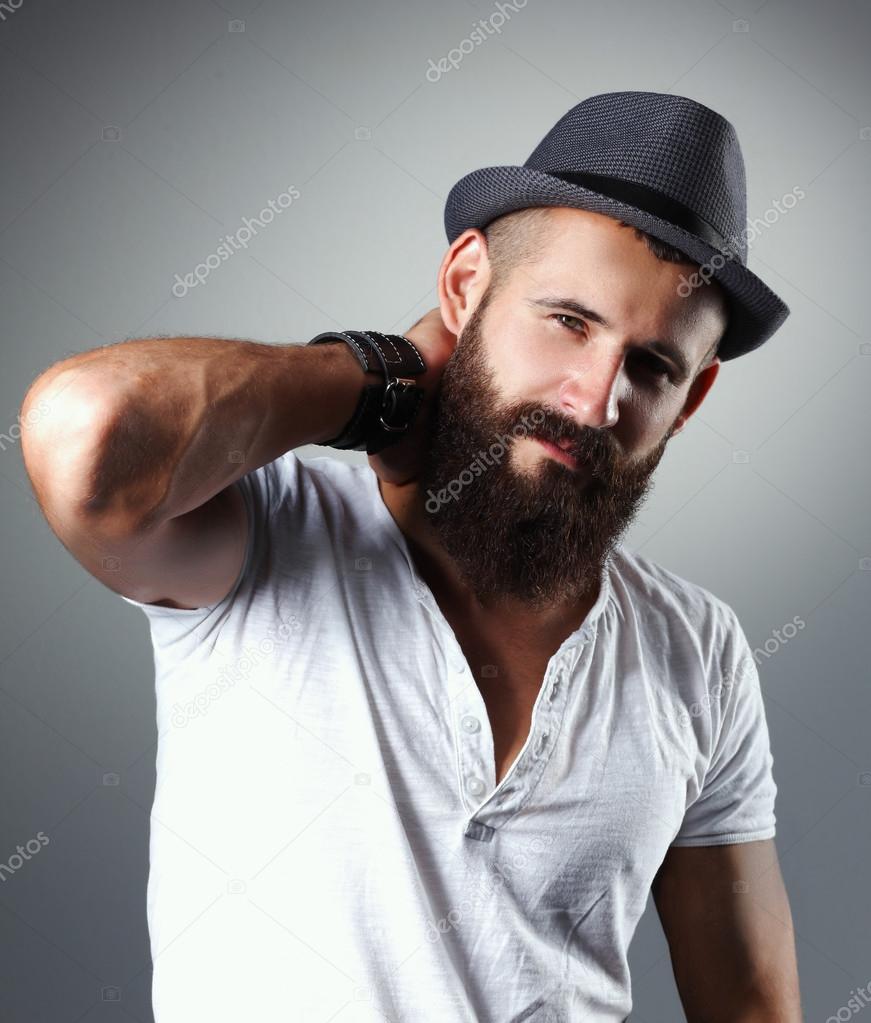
137,446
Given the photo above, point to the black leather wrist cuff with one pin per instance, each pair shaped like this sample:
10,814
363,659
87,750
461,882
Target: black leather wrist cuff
385,411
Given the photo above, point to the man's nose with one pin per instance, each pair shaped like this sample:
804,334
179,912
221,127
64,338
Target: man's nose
590,392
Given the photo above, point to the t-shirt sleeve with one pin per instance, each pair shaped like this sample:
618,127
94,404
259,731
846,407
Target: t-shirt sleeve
262,491
736,802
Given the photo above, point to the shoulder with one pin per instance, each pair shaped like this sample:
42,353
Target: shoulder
688,638
303,479
662,599
340,472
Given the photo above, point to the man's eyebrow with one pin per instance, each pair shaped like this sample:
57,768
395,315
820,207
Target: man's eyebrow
665,348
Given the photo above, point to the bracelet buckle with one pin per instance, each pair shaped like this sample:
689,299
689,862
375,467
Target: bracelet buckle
391,400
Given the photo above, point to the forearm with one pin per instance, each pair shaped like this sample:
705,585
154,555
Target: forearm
145,430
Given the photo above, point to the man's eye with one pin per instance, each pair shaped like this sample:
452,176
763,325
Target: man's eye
659,368
559,317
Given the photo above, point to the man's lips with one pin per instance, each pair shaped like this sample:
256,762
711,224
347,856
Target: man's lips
557,451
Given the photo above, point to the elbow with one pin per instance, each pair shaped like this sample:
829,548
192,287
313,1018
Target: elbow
67,426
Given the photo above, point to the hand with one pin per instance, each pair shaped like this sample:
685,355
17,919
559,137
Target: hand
400,463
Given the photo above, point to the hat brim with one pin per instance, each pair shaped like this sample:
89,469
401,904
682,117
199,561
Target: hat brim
755,312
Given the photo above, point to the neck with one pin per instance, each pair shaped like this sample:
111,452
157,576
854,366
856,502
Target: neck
436,567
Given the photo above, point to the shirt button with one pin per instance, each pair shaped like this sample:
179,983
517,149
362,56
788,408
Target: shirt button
469,723
475,786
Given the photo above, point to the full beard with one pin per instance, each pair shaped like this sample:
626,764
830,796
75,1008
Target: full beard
541,536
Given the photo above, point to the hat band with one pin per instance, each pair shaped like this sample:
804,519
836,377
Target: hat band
648,199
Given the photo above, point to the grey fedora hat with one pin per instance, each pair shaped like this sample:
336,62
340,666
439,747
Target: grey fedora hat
665,164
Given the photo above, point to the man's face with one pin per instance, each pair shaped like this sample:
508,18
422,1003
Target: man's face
519,522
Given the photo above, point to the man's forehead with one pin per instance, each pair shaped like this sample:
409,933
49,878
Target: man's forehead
572,237
621,280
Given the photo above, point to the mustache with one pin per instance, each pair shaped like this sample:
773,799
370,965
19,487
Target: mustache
594,447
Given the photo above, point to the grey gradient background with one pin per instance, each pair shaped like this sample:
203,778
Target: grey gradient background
137,134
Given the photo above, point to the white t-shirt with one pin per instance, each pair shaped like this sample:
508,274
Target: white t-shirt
328,842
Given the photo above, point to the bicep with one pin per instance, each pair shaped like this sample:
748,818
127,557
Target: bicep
189,561
726,917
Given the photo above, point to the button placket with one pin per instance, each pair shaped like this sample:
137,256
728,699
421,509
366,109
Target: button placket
545,726
473,761
473,739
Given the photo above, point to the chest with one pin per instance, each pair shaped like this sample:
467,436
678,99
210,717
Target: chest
509,676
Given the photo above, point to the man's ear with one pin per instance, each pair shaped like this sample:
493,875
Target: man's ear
464,276
697,393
